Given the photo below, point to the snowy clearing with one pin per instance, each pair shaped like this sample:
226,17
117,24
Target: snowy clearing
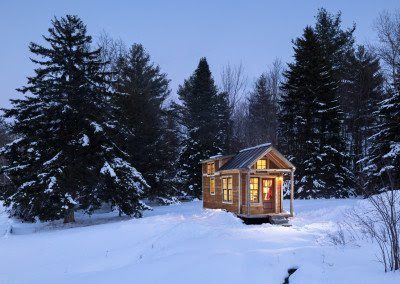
185,243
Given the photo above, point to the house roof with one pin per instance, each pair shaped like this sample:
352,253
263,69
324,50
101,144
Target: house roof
246,157
216,157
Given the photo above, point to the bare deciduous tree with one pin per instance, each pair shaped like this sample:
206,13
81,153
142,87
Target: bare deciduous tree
111,51
275,78
234,83
380,221
387,27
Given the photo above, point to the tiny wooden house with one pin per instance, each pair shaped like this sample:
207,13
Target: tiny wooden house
248,183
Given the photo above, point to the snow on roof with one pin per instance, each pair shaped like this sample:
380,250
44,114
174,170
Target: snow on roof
216,156
255,147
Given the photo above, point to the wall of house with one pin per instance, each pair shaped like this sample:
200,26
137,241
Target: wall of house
216,201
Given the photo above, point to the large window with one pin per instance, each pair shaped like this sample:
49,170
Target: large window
261,164
254,190
227,189
212,186
210,168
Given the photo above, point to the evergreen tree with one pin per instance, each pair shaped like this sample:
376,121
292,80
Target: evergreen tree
169,155
336,42
5,138
363,90
200,115
224,122
65,157
383,160
262,113
338,48
144,88
311,122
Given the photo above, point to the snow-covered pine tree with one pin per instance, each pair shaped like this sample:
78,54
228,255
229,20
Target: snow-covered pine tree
170,155
299,104
64,157
363,89
143,89
338,48
223,138
311,121
262,113
5,138
202,123
383,160
336,42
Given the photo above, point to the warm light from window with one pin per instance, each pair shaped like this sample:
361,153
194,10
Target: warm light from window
261,164
212,186
227,189
210,168
254,190
267,189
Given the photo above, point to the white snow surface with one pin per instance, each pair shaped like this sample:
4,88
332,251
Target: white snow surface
185,243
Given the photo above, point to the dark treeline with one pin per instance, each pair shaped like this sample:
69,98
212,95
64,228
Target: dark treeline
97,124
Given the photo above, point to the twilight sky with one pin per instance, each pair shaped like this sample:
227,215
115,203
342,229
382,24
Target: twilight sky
178,33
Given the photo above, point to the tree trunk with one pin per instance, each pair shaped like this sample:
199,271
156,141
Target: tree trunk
70,216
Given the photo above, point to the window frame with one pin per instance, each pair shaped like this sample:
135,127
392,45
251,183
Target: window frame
212,181
258,190
261,168
211,168
228,189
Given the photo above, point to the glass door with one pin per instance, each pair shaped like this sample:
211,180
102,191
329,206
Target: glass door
268,192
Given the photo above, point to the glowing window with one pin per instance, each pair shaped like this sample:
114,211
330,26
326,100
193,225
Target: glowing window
227,189
261,164
212,186
210,168
267,189
254,190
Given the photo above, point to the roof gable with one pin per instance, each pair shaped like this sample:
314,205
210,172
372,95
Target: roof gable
245,158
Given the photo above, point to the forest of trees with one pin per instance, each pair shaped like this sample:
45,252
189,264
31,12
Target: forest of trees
98,124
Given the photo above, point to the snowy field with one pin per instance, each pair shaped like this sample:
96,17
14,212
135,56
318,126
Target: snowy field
187,244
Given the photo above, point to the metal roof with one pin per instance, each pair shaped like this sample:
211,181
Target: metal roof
216,157
246,157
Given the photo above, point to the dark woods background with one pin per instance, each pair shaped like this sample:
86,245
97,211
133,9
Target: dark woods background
98,123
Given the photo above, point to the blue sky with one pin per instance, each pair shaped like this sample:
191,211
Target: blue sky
178,33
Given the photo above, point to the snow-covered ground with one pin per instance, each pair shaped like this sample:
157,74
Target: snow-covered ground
187,244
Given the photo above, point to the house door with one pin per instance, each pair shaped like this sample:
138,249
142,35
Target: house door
268,193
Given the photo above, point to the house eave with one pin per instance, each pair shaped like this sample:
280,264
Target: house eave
215,158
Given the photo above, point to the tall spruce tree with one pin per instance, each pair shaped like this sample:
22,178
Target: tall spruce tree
5,138
144,88
336,42
311,122
65,157
338,49
170,156
200,115
362,88
224,134
383,160
262,113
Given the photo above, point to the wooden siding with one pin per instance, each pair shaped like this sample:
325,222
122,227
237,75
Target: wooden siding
216,201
